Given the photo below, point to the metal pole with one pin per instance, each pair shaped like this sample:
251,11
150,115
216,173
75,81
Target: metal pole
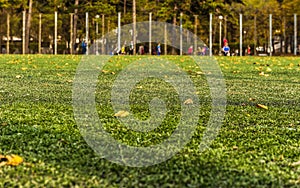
97,29
255,35
103,52
295,34
220,35
119,31
71,32
24,32
195,34
270,34
40,33
87,32
241,35
150,33
210,34
225,26
8,33
134,26
165,34
181,33
55,32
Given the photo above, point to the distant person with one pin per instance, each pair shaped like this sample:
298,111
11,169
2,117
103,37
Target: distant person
83,46
226,50
204,50
225,41
248,50
158,49
199,51
123,52
131,48
190,50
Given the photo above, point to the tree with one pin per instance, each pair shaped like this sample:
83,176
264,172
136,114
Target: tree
28,24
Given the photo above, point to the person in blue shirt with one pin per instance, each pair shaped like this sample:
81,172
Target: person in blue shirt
83,46
226,50
158,49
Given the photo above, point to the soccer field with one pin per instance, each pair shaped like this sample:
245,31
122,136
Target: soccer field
257,145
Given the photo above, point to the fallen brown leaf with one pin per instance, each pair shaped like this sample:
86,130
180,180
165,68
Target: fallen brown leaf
296,163
262,106
188,101
121,113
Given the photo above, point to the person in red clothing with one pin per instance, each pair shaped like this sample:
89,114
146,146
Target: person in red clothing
225,41
248,50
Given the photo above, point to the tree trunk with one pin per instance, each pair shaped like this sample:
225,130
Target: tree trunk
124,7
75,24
28,26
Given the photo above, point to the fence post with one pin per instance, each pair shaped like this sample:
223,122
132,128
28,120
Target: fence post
71,33
8,33
195,35
134,25
210,34
87,32
166,41
255,35
241,35
270,34
55,33
103,51
119,31
150,33
295,34
181,33
40,33
23,33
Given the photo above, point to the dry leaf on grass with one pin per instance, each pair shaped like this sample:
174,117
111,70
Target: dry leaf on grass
296,163
262,106
188,101
12,160
121,113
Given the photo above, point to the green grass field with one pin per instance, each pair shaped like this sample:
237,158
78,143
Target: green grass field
254,148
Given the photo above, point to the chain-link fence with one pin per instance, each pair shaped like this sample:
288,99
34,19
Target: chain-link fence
65,36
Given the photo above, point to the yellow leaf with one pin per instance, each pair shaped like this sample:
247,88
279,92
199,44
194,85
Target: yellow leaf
188,101
262,106
268,69
59,74
121,113
14,160
24,68
296,163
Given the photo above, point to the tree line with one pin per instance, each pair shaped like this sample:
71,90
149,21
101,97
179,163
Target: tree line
162,10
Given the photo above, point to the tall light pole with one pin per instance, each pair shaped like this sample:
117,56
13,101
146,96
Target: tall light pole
134,25
97,17
210,34
220,40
